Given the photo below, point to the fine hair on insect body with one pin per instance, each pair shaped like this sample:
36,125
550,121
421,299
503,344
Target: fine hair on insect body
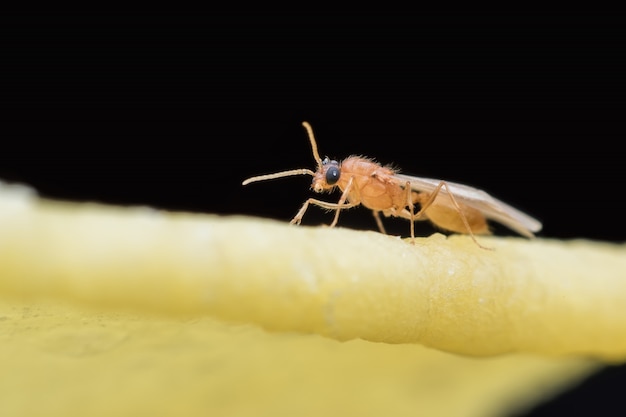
450,206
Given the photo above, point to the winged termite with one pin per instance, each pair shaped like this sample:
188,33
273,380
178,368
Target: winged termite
450,206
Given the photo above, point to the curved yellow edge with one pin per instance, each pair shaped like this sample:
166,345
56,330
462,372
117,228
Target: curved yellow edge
60,359
537,296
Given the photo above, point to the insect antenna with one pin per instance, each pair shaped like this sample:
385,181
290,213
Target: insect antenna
302,171
316,154
289,173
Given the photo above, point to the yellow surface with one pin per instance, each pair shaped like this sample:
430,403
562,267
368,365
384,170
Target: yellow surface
133,311
62,361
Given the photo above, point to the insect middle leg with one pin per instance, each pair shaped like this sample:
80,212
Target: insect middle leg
379,222
409,203
411,199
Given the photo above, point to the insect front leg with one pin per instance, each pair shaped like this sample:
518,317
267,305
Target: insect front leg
340,205
324,204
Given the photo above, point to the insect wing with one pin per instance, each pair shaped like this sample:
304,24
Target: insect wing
491,207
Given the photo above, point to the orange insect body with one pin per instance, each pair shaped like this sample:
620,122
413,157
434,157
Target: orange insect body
453,207
377,188
373,185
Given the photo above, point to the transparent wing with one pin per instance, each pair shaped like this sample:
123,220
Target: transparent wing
489,206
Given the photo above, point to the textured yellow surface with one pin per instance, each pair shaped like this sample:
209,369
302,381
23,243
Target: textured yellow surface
62,361
133,311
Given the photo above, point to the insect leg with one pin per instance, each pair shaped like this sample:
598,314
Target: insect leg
431,199
324,204
341,203
409,203
379,222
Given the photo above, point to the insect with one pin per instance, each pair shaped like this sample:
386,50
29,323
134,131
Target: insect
453,207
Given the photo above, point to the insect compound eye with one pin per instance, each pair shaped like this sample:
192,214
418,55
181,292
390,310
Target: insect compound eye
332,175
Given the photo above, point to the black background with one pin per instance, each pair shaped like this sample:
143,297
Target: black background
174,111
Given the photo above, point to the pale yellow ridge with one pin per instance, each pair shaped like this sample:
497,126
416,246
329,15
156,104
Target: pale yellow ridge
540,296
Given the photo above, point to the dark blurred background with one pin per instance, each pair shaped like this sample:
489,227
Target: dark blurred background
174,111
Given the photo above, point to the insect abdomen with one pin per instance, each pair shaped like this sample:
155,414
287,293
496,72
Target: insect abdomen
447,217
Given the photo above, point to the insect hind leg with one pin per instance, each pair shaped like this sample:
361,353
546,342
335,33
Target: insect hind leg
431,199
